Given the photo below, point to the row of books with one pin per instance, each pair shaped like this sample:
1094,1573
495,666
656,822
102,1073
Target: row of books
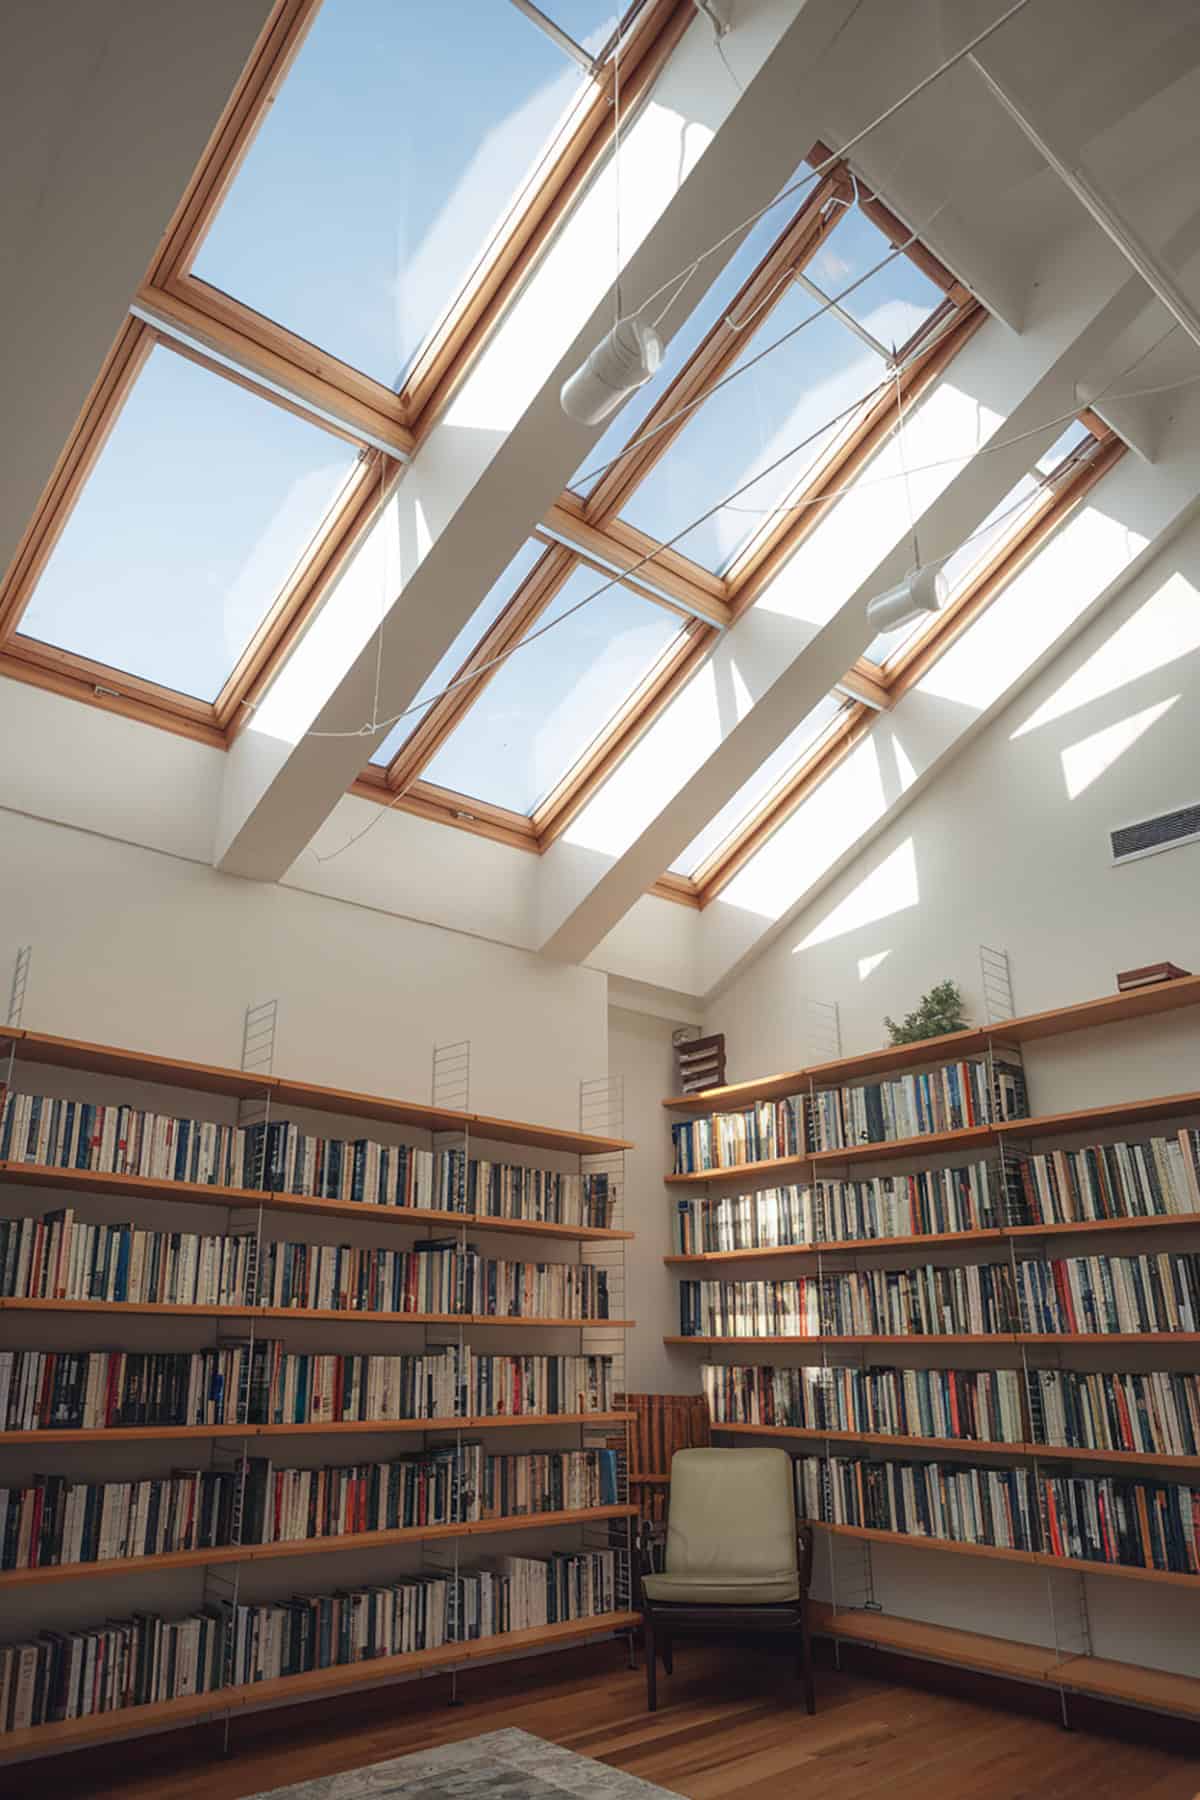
54,1521
984,1405
721,1140
281,1158
1158,1177
953,1097
264,1384
1153,1413
438,1276
1070,1295
58,1257
930,1200
1136,1524
134,1662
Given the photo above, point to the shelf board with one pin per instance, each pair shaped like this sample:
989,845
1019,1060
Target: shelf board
1087,1118
297,1547
962,1449
975,1337
1139,1686
128,1308
1110,1009
129,1721
208,1078
1163,1339
1034,1558
939,1239
118,1434
190,1193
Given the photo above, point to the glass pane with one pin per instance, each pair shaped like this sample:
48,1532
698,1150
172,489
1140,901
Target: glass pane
552,698
891,304
481,620
202,502
390,155
1075,435
590,22
626,423
748,425
751,795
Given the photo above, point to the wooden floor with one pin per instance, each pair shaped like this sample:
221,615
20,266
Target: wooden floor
729,1724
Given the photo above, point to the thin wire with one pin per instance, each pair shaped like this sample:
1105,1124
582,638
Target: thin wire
617,170
912,517
822,499
838,156
715,388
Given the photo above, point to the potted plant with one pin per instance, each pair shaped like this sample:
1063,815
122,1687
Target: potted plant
940,1011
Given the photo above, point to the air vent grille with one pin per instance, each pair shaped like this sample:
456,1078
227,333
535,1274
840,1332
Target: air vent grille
1151,835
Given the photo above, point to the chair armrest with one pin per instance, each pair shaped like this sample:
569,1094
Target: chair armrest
804,1555
648,1536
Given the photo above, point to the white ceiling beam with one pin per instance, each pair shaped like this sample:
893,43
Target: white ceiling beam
775,663
697,158
105,109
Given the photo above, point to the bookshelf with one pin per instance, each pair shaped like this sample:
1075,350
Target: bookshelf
241,1571
734,1199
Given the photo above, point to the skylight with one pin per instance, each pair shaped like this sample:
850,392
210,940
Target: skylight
544,707
388,160
771,409
718,298
480,621
200,506
1005,520
753,793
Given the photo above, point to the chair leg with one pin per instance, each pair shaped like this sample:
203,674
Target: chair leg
805,1663
668,1654
651,1663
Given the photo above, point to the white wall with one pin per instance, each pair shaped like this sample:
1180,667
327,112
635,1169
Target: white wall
1010,848
640,1052
146,950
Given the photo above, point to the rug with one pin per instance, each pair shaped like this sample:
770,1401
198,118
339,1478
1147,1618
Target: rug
500,1765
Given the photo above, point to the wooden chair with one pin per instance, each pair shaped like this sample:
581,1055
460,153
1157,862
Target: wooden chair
736,1560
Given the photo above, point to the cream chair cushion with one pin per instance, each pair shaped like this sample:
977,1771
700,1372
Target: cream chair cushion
731,1539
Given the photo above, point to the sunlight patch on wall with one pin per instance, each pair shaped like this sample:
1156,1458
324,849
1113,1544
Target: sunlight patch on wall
1084,762
891,887
867,965
1164,629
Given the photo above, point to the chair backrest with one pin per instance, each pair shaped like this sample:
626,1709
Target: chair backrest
732,1511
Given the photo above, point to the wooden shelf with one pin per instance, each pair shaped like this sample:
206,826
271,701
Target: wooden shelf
976,1337
130,1721
943,1143
295,1547
1035,1558
208,1078
1163,1339
128,1308
190,1193
1110,1009
938,1239
118,1434
963,1449
1139,1686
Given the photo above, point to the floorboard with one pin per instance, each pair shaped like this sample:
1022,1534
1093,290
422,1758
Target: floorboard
730,1724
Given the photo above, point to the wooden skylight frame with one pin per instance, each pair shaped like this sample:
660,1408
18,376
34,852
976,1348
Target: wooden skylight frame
397,419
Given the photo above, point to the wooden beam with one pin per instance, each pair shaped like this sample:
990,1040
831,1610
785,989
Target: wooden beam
622,546
865,682
221,325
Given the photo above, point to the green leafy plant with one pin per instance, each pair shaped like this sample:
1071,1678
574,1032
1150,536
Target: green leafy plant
940,1011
